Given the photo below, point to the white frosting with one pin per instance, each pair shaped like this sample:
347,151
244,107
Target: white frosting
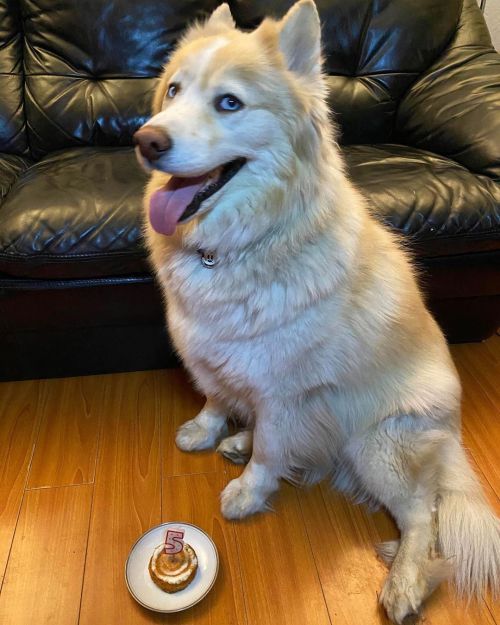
183,572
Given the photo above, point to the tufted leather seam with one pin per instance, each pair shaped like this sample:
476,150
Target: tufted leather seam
56,258
445,51
40,110
369,81
366,22
25,117
484,234
18,38
77,71
57,235
462,61
14,137
34,51
50,120
24,166
10,41
18,284
92,78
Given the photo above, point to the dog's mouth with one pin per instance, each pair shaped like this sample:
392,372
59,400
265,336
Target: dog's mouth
181,198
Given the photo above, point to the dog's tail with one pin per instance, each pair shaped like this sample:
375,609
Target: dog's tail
469,532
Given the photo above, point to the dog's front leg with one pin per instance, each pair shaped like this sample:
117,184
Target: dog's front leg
205,430
249,493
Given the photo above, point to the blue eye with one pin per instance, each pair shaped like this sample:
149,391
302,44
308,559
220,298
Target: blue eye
228,103
172,90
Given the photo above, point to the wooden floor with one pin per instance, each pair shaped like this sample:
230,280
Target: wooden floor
88,464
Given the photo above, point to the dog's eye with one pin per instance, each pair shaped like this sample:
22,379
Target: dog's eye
172,90
228,103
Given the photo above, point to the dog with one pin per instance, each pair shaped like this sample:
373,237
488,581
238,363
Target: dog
293,308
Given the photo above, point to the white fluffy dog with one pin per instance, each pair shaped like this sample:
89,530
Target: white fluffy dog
293,308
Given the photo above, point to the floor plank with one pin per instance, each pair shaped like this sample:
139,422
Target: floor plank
195,499
66,449
279,575
44,576
342,538
127,498
178,403
482,360
480,408
19,421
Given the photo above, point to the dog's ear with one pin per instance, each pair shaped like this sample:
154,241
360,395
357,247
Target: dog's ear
217,24
300,38
221,17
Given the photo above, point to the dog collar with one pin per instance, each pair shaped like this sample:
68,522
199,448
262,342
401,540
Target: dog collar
208,258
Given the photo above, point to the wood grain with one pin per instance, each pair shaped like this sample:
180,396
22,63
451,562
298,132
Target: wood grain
127,498
67,444
178,403
279,575
43,582
481,405
482,360
195,499
19,420
342,538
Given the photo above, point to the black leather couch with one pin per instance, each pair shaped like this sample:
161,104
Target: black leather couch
415,85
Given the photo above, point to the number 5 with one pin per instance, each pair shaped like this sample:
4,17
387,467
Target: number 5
173,542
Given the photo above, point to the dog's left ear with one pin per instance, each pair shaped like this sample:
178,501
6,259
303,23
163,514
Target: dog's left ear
221,17
300,38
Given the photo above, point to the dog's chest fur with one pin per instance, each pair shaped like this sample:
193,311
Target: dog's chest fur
247,332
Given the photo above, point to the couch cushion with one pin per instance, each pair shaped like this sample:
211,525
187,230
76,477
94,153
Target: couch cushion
11,166
454,107
75,214
440,205
91,67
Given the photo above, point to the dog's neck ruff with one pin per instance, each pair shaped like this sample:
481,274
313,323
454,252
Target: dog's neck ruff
208,258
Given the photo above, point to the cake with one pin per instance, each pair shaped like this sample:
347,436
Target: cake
173,572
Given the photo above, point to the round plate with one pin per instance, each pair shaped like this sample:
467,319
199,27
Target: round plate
147,593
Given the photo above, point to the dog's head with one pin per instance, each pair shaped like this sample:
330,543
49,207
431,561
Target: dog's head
230,106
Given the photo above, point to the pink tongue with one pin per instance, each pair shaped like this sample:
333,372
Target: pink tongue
167,204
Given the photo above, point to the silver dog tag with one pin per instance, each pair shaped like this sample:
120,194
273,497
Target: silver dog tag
208,258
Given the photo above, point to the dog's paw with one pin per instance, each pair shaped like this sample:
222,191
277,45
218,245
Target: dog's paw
402,596
239,500
237,448
192,436
409,584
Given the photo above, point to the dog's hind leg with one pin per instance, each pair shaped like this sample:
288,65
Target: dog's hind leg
396,462
205,430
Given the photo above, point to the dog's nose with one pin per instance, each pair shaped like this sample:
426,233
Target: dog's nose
152,141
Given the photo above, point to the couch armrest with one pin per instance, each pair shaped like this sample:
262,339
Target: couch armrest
454,108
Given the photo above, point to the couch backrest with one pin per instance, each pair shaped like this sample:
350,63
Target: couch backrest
12,119
374,50
91,65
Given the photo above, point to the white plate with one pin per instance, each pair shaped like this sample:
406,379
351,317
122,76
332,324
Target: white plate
147,593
